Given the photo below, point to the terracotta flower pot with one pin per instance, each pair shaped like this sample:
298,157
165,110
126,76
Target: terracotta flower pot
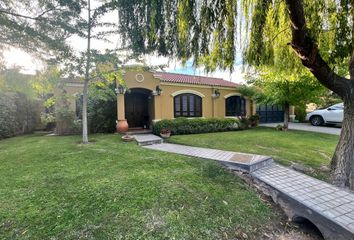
122,126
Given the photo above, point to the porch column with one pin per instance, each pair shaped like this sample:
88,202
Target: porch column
292,113
254,107
120,107
157,107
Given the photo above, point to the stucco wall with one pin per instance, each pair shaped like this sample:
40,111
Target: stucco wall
163,104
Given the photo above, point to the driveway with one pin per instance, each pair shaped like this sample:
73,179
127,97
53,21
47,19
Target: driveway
307,127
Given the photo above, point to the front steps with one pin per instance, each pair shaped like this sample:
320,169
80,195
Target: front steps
147,139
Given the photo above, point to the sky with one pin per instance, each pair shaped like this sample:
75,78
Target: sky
29,64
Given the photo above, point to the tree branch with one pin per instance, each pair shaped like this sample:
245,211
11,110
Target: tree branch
308,52
27,17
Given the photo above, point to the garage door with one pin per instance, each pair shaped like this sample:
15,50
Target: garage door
270,113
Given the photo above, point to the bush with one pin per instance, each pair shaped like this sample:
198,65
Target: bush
18,114
196,125
300,113
66,122
101,109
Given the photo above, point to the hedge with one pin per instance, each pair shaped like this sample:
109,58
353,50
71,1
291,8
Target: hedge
18,114
197,125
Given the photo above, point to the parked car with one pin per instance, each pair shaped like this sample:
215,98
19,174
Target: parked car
331,115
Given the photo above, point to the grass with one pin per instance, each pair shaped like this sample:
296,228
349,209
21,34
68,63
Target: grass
307,148
54,188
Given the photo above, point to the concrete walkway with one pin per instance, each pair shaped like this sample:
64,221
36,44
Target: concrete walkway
330,208
234,160
307,127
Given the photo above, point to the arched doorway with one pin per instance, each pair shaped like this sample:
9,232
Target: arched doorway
138,104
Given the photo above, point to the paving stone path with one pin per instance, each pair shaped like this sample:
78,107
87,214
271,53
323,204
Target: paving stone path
234,160
314,196
330,208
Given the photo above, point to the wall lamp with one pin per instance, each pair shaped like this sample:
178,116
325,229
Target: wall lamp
157,91
216,93
121,89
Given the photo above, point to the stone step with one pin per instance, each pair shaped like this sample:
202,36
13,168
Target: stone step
147,139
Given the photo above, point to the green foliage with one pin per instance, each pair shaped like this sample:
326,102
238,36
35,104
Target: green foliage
19,114
40,26
254,118
300,113
196,125
66,122
8,125
44,83
205,31
281,88
11,80
102,108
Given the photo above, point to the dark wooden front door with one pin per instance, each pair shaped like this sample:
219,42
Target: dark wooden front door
136,110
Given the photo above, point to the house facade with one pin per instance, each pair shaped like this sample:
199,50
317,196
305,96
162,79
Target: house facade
147,97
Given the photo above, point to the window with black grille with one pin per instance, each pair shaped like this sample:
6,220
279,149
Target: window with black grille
187,105
235,106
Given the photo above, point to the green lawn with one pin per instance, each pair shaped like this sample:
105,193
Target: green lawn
307,148
55,188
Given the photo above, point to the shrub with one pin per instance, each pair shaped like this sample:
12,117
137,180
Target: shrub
196,125
101,109
65,119
66,122
18,114
254,120
300,113
244,122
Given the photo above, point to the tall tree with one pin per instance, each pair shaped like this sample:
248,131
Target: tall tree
87,75
321,34
284,89
39,27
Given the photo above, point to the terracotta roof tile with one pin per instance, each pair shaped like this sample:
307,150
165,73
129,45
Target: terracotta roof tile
190,79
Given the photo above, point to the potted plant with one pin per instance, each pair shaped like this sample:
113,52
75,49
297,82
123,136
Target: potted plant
165,133
254,120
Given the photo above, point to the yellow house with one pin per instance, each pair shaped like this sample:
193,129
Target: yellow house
151,96
148,96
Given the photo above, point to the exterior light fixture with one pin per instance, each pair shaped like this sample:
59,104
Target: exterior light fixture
121,89
158,90
216,93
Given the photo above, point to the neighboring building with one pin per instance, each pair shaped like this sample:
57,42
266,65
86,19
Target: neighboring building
151,96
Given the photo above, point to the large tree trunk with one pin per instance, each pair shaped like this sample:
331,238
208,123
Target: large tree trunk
286,116
342,164
87,78
307,50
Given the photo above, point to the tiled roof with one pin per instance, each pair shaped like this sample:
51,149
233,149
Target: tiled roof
190,79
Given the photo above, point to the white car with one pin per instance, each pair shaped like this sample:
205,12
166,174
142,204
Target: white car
331,115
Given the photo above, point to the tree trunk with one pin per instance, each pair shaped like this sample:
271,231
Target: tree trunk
342,164
87,78
84,113
343,160
286,116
